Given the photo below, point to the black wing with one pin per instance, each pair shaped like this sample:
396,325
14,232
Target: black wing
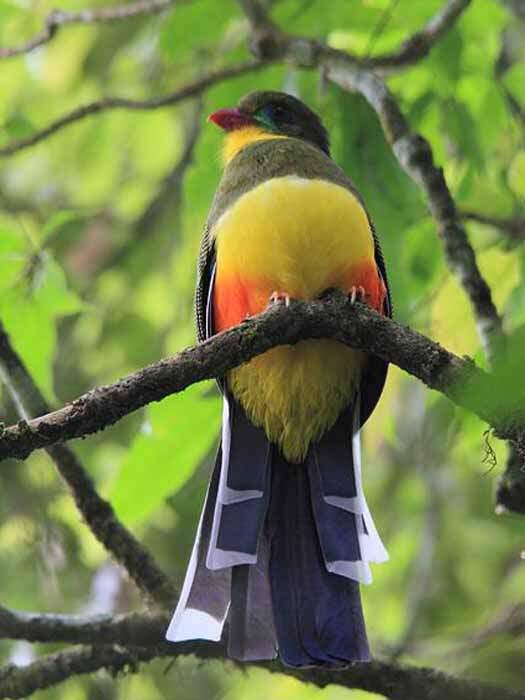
374,374
203,291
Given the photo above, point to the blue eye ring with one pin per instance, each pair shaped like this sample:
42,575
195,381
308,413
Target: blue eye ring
270,116
274,111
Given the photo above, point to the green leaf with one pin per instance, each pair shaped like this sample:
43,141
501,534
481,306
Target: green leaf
13,255
515,307
515,81
194,26
462,130
391,198
56,222
516,174
179,433
29,307
444,62
18,126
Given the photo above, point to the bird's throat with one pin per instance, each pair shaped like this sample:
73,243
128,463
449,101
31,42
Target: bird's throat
238,139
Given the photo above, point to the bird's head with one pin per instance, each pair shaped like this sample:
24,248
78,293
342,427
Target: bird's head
262,115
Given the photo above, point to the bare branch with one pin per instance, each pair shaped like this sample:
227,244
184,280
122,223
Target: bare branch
108,103
96,511
513,228
510,493
419,45
16,205
390,680
20,682
413,49
510,621
353,324
140,638
399,682
60,18
137,629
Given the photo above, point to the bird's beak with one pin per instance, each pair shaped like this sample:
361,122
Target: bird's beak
230,119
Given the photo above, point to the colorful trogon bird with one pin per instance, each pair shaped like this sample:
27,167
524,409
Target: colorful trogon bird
285,536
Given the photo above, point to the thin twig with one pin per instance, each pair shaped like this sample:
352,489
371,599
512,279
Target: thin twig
413,49
353,324
380,27
16,205
419,45
510,621
96,511
513,227
109,103
60,18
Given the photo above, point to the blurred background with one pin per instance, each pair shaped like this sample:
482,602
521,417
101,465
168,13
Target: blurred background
99,232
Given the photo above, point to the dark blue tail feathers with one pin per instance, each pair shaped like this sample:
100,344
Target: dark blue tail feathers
288,540
318,615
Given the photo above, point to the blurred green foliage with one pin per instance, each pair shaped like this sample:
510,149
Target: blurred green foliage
87,296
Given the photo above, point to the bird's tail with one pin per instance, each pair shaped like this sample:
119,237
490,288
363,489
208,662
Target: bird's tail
281,550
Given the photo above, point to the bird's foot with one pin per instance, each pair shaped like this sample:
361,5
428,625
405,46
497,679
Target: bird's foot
279,298
357,294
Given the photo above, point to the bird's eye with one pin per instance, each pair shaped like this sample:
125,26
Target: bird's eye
278,112
272,117
274,113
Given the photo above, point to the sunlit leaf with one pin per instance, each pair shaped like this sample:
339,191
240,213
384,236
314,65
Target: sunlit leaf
56,222
178,433
30,307
517,174
514,79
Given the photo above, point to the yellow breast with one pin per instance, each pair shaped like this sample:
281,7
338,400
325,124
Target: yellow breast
299,237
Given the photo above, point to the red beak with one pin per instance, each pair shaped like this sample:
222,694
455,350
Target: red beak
230,119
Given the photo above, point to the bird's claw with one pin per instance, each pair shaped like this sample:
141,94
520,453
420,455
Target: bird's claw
357,294
279,298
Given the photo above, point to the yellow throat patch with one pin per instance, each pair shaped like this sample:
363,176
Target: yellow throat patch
239,138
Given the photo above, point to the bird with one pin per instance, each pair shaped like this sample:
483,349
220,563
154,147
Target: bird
286,536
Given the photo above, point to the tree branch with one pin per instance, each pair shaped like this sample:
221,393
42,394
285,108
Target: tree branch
353,324
419,45
109,103
510,492
96,511
391,680
60,18
414,48
510,621
20,682
513,228
137,629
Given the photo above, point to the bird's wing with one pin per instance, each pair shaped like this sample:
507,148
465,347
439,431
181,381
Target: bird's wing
374,372
204,288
